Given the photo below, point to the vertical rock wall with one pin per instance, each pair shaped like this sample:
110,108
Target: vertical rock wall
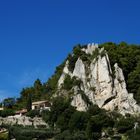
99,86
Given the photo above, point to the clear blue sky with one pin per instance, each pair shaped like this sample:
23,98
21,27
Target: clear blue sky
36,35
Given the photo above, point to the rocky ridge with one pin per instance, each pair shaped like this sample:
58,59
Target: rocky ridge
99,84
23,120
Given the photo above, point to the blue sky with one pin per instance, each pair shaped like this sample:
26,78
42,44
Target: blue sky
36,36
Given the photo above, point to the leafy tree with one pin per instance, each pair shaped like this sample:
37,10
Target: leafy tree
67,135
64,118
51,85
134,83
78,121
9,102
33,113
7,112
29,102
59,107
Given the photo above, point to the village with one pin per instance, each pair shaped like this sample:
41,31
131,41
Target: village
21,118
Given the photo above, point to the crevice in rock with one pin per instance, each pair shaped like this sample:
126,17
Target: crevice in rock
108,100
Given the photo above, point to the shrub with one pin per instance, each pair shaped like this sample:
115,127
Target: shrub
68,83
3,136
67,135
33,113
78,121
7,112
25,132
125,124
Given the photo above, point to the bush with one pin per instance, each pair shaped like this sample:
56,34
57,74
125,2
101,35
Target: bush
133,135
25,132
7,112
125,124
68,83
80,135
67,135
45,114
33,113
3,136
78,121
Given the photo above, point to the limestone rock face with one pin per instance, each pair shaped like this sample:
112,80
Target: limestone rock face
79,70
90,48
77,100
123,101
65,71
98,84
79,103
22,120
101,80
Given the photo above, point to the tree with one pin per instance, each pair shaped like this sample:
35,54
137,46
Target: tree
29,102
64,118
37,89
78,121
59,105
9,102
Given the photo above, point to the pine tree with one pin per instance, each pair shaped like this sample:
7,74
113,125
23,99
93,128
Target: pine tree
29,102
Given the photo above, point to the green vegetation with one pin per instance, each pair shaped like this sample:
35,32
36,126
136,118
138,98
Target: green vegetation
85,98
28,133
51,85
94,54
34,93
7,112
71,82
77,53
72,124
68,83
29,102
9,103
4,136
65,122
33,113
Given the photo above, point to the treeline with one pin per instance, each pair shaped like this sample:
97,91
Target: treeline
38,91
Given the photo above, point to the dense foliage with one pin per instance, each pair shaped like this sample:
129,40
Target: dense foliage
66,123
30,94
29,133
6,112
71,124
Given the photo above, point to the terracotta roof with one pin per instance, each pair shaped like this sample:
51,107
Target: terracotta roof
21,111
39,102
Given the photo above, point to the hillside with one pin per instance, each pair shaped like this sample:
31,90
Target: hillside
94,94
107,75
89,77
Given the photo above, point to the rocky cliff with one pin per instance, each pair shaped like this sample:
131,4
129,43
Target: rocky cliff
99,83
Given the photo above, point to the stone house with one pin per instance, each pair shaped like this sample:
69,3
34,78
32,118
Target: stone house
41,105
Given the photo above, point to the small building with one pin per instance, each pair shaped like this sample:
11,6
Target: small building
1,108
41,105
